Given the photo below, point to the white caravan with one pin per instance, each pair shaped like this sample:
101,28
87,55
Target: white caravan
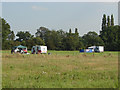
92,47
39,49
97,48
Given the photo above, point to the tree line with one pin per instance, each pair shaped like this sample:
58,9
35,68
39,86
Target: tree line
61,40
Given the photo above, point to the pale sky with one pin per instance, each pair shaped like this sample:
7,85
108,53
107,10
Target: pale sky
86,16
60,0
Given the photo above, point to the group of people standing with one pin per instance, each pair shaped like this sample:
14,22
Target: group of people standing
38,51
19,50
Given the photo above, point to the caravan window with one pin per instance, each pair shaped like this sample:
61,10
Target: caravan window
43,49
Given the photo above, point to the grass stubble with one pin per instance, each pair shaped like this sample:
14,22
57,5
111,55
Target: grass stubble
60,69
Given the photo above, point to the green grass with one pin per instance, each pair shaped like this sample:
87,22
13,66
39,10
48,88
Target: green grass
61,69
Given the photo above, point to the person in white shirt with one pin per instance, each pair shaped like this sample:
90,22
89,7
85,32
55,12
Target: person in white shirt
16,50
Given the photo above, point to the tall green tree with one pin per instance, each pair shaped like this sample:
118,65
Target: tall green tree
76,37
50,39
41,32
61,35
91,39
104,22
118,36
108,21
24,35
112,20
70,31
54,40
112,38
81,44
110,35
5,30
76,31
69,42
6,44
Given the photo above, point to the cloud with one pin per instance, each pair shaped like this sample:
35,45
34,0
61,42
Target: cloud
39,8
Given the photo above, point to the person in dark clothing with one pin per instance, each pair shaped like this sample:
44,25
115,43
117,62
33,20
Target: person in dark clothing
33,51
12,51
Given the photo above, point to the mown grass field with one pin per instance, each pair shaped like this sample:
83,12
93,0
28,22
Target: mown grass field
60,69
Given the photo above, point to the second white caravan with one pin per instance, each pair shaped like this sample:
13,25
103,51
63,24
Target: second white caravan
38,49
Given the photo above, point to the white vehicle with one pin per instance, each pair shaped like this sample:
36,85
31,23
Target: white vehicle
92,47
39,49
99,49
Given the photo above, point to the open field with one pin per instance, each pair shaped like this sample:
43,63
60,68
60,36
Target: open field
61,69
